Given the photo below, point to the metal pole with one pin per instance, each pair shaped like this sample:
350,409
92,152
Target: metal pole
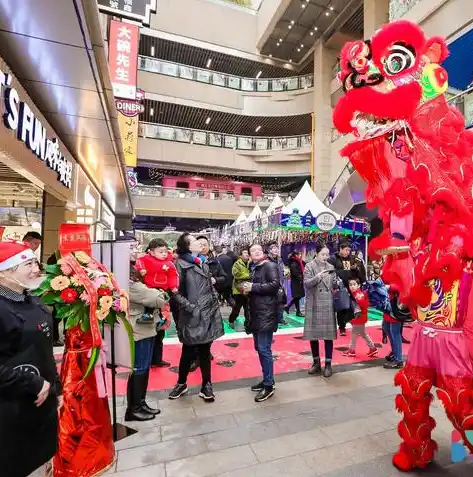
312,149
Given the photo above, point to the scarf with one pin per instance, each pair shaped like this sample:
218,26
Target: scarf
300,262
196,260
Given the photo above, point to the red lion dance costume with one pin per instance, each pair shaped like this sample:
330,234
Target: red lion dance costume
415,155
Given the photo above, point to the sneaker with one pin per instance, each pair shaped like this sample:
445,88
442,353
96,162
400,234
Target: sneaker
299,314
373,352
350,353
393,365
256,388
178,391
389,357
162,364
343,333
264,394
405,341
207,393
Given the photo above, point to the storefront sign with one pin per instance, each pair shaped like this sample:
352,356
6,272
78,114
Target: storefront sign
123,58
326,221
20,118
137,10
128,120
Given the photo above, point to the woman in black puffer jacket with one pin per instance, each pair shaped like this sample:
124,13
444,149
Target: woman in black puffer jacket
197,315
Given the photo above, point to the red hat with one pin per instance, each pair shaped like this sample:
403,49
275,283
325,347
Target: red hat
13,254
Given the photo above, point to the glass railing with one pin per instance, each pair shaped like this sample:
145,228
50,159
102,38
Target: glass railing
205,138
174,193
261,85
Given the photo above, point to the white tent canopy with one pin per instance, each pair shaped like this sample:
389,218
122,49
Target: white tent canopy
306,200
255,213
241,218
275,204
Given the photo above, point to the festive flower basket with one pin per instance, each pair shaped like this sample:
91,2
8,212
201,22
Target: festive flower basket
85,295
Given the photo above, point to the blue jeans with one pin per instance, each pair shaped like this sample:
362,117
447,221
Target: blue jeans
393,330
280,315
143,355
263,341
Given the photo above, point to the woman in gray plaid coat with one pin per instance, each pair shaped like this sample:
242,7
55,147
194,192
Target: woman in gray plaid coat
320,321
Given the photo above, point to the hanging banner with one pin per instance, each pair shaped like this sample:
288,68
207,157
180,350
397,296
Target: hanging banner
128,121
123,58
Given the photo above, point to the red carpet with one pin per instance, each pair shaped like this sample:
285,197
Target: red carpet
236,359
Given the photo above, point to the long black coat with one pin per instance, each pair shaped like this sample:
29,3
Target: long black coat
348,268
28,434
217,273
196,305
227,264
297,279
263,302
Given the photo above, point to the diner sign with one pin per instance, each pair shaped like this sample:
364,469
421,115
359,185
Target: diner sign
19,118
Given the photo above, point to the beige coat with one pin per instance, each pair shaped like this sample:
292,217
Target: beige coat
140,297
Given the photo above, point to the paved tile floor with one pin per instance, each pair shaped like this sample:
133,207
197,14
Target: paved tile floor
342,427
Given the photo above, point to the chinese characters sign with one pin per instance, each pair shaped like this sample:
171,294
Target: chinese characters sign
398,8
123,58
128,121
137,10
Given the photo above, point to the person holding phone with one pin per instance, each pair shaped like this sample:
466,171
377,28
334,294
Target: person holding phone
30,389
320,322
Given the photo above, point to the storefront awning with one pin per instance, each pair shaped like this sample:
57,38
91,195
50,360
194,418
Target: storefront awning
57,52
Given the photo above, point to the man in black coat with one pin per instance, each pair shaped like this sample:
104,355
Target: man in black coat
227,265
347,267
264,307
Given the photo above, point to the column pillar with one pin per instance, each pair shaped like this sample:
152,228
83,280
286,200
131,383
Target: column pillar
325,59
54,214
376,13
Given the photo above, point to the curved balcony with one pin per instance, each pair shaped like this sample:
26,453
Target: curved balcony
162,201
205,138
202,75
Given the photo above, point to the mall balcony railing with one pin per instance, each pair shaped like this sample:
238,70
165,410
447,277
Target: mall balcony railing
462,101
202,75
227,141
176,193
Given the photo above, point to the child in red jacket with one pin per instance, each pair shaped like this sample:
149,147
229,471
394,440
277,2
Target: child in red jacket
360,320
158,271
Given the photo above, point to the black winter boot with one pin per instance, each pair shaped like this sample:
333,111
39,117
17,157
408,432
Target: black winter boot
134,411
144,405
316,368
328,370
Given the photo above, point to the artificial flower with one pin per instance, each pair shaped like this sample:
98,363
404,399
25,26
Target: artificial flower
102,314
99,281
104,291
106,302
82,257
65,268
69,295
76,281
123,304
60,283
117,305
85,297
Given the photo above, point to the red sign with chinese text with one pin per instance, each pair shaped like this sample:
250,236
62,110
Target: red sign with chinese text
123,58
74,238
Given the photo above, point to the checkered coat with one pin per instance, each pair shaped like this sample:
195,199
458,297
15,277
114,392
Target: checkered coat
320,322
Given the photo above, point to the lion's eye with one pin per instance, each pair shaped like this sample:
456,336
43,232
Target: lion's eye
399,59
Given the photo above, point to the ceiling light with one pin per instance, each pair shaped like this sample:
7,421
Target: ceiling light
292,22
327,14
259,74
303,5
280,39
289,26
299,50
258,128
152,50
151,111
311,33
302,46
331,8
207,121
315,28
277,44
209,62
290,61
270,55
